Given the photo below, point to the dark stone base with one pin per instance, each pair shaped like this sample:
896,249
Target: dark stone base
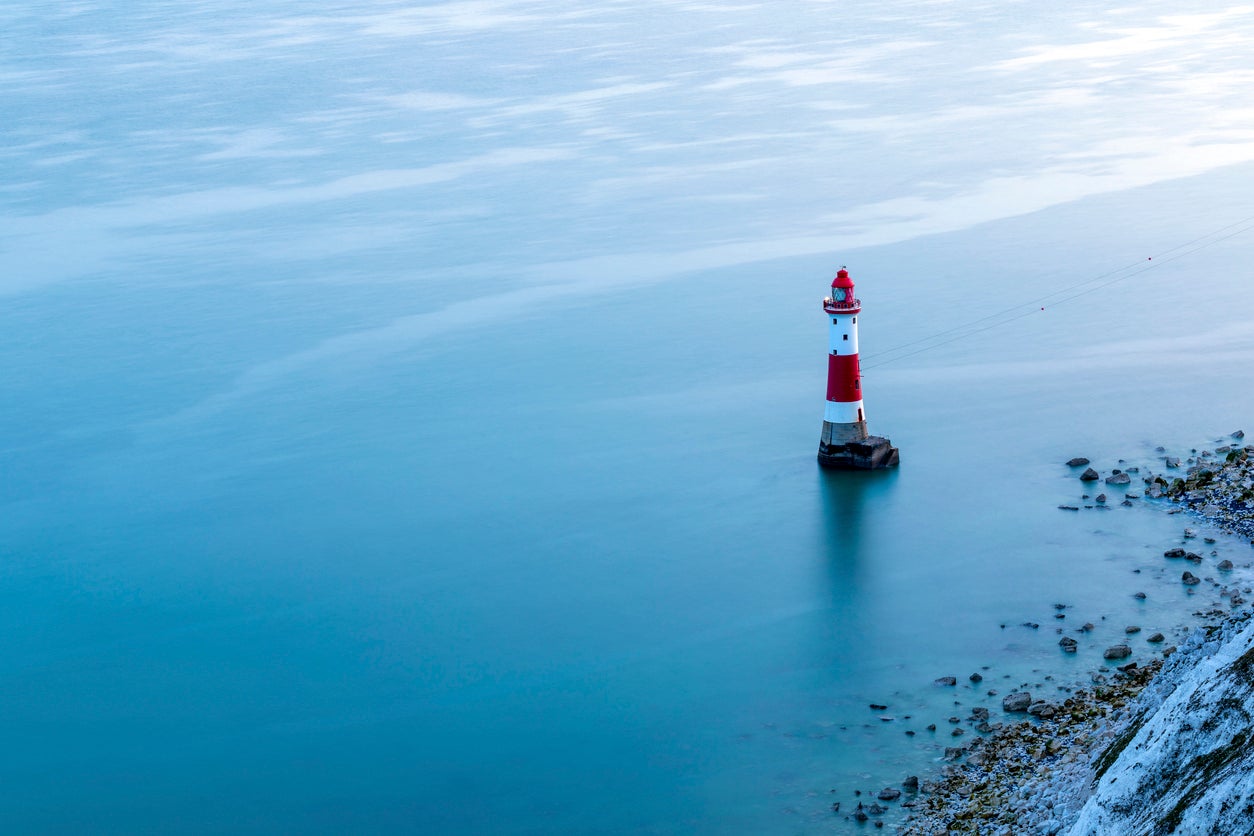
872,454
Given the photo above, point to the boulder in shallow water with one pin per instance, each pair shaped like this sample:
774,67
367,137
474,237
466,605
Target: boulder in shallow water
1156,638
1190,579
1019,701
1239,434
1078,461
1090,475
1118,651
1174,553
1119,479
889,794
1068,644
946,680
1225,565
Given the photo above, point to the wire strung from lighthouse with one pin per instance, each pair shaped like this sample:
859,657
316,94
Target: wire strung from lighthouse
1090,285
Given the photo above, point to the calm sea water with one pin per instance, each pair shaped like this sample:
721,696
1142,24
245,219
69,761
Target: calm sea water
409,412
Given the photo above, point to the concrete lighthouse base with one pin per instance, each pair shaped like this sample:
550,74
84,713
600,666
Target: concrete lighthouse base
871,453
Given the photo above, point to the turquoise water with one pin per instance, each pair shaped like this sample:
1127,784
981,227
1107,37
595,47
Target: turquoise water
409,413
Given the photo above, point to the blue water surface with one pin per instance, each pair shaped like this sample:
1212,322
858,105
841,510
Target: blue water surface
409,411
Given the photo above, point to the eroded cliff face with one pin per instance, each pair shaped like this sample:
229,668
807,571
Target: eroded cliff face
1185,764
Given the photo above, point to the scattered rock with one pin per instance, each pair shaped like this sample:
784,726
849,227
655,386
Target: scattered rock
1031,624
1225,565
1101,497
1118,651
1131,628
1174,553
1043,708
1189,534
1156,638
1068,644
1239,434
946,680
1189,579
1080,461
1172,461
1139,596
889,794
1090,475
911,784
975,677
1119,479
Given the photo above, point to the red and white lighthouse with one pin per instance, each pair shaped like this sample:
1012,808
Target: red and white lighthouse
845,442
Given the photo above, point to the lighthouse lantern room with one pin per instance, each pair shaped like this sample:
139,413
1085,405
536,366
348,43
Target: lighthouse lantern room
845,442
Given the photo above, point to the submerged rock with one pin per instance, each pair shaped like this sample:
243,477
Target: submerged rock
1090,475
946,680
1078,461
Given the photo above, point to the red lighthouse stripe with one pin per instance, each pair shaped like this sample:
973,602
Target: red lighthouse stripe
844,378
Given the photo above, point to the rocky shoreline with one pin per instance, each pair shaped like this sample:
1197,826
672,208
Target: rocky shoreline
1034,775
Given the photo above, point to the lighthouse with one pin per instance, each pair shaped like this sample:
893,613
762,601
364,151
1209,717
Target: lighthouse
845,442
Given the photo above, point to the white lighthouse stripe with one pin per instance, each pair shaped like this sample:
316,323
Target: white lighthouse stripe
838,412
843,327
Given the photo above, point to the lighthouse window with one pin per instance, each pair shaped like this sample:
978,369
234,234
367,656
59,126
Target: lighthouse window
855,320
845,337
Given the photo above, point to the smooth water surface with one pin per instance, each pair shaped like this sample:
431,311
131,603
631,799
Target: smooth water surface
409,411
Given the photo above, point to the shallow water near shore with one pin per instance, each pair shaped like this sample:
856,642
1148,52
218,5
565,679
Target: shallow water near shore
492,509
